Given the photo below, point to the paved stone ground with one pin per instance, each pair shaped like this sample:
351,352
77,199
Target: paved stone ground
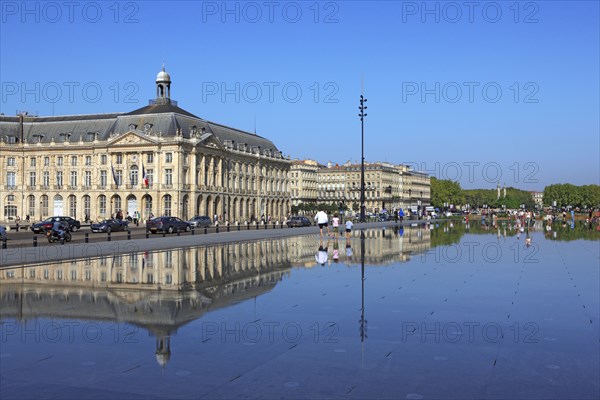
23,253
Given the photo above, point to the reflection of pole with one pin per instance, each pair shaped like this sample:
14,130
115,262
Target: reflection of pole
363,322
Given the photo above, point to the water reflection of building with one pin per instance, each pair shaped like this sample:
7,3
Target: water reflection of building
385,246
158,292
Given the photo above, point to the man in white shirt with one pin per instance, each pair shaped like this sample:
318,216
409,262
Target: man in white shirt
323,221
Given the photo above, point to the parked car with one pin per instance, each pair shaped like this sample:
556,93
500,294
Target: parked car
200,221
110,225
167,224
46,224
298,222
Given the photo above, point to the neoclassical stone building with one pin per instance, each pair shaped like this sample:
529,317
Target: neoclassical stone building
159,159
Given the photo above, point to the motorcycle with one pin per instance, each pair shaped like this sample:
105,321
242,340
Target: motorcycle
54,236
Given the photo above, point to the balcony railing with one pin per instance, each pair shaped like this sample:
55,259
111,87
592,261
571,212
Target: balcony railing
58,187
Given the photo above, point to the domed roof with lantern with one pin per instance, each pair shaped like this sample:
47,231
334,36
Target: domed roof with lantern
163,76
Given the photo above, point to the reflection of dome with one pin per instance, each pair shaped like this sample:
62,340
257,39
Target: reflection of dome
163,359
163,351
163,76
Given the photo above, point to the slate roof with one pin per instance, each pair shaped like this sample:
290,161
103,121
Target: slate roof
166,119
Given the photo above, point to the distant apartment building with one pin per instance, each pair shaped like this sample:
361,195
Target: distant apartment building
538,198
303,181
388,187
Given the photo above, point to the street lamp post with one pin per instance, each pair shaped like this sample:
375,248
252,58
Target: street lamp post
362,116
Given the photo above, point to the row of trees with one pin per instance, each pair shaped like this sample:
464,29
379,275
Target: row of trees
587,196
450,192
446,191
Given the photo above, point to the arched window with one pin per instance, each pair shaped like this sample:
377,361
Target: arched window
73,206
31,206
102,205
167,204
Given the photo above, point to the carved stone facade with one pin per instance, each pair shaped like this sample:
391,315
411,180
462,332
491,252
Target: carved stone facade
157,160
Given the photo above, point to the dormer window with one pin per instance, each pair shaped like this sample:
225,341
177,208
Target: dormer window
147,126
11,139
38,137
65,136
193,131
132,127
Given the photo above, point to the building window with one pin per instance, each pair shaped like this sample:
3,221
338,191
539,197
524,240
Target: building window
11,179
72,206
32,179
10,161
167,204
133,175
87,180
73,161
102,204
119,177
44,205
169,157
73,181
88,160
10,211
119,158
59,161
103,179
103,159
117,203
32,162
31,206
150,158
168,176
46,161
87,202
150,176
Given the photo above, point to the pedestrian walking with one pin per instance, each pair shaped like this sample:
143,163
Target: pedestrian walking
323,222
349,226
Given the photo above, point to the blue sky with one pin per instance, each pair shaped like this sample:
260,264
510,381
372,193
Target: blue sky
480,93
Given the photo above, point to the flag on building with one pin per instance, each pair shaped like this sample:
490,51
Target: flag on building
114,176
144,176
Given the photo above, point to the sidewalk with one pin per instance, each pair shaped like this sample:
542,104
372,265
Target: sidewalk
27,255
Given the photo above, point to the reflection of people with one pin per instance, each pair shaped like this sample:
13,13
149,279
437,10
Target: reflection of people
336,249
348,249
321,256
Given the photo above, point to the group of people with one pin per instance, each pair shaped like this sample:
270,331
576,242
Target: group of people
322,220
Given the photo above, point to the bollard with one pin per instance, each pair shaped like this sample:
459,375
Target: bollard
238,227
4,242
193,231
86,237
35,241
205,231
228,228
257,226
147,234
164,233
217,230
267,225
128,234
62,240
178,233
108,239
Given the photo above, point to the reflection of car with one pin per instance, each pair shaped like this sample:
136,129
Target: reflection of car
298,221
110,225
2,232
46,224
200,221
167,224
